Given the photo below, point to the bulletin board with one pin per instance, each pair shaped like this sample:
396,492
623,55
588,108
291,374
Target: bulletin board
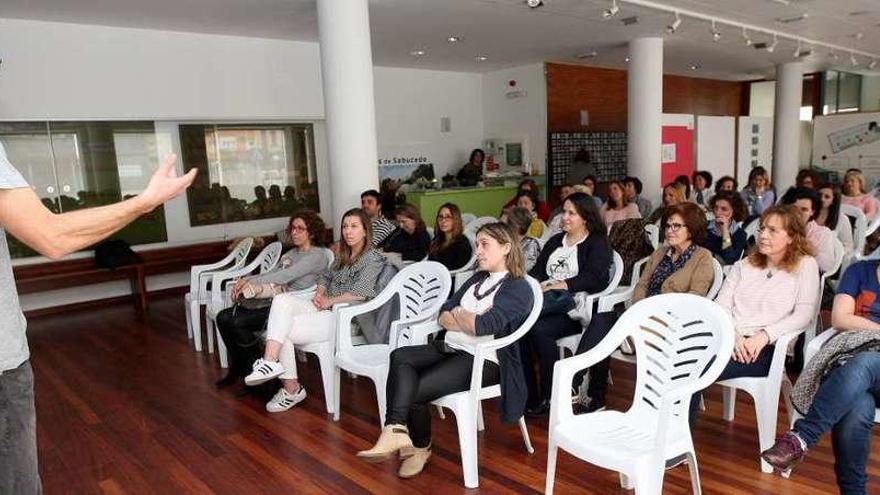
607,151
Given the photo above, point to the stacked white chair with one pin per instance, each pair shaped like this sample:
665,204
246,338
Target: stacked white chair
751,231
653,232
586,301
467,218
473,226
467,405
421,289
676,337
859,225
717,281
198,294
839,255
220,293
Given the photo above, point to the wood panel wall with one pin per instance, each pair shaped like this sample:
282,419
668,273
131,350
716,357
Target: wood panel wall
602,92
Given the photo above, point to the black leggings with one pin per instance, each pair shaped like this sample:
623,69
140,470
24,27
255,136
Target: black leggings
542,338
240,328
422,373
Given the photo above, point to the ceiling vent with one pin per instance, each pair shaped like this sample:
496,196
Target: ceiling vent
629,21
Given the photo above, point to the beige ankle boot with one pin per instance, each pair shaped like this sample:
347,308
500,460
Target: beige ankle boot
415,461
392,439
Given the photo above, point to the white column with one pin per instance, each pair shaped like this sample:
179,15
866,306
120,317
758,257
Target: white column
787,125
347,73
644,112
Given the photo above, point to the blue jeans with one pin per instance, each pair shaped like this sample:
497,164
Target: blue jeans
18,433
844,404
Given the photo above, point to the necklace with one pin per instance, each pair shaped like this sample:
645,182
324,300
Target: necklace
769,274
484,295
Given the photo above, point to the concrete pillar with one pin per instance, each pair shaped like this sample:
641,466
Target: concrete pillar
349,106
644,112
787,124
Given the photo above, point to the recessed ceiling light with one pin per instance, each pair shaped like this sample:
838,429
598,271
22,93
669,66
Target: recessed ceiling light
481,58
694,67
418,53
534,3
746,39
626,59
859,36
454,39
716,35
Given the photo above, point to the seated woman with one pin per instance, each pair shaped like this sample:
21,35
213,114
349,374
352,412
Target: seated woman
726,238
758,195
821,238
679,266
494,302
807,177
529,200
472,171
577,260
520,219
829,215
296,321
726,183
449,247
702,192
240,326
855,194
771,293
845,400
616,208
673,194
411,239
542,209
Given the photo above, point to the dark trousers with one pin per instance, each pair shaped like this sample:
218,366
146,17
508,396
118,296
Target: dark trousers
541,340
18,432
734,369
240,328
422,373
597,330
845,404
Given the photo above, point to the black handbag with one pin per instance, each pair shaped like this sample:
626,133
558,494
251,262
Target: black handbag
115,253
557,301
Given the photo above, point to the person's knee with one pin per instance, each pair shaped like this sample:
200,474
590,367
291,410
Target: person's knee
224,318
860,416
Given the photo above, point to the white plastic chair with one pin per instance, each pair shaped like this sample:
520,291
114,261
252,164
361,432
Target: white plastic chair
751,231
676,337
198,294
467,218
220,296
475,224
421,289
860,226
467,405
586,302
653,231
765,394
717,281
839,253
460,275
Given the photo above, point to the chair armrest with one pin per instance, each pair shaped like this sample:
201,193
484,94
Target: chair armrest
416,334
817,343
623,294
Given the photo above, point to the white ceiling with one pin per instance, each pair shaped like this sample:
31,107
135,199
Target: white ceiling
507,31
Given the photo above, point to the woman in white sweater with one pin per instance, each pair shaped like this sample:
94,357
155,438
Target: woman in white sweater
771,293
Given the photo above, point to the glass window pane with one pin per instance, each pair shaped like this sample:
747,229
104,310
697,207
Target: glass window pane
830,93
850,89
249,171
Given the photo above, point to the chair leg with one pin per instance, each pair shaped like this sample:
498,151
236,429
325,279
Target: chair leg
221,351
626,482
467,439
649,482
786,396
729,394
337,390
196,319
695,473
525,433
481,425
328,367
766,411
381,399
209,332
551,466
440,412
189,327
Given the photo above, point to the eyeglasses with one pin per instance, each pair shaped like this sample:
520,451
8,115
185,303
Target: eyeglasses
298,229
674,227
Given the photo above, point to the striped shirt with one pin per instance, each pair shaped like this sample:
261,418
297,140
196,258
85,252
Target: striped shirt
359,278
777,301
382,228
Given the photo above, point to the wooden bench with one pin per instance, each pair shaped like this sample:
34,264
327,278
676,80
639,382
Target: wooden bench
71,273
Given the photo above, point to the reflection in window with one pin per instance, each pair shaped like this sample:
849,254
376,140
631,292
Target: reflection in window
249,172
75,165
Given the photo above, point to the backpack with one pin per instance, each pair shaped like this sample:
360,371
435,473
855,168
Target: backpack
115,253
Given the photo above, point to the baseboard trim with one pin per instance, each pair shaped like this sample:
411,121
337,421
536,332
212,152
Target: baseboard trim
84,305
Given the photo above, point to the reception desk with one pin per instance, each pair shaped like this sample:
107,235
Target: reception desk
480,201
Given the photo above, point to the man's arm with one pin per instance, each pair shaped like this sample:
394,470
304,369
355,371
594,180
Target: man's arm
55,235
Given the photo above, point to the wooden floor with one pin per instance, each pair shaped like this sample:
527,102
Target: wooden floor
126,406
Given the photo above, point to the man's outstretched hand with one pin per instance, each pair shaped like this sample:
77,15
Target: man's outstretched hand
165,184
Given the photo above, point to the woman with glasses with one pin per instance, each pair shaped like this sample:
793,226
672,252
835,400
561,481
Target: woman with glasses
450,247
771,293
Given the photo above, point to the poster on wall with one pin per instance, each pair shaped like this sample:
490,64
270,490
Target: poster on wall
400,170
677,152
848,141
754,147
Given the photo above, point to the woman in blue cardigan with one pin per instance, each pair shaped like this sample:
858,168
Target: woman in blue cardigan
576,260
495,301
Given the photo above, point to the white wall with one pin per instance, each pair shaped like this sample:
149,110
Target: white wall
716,145
762,99
409,106
520,117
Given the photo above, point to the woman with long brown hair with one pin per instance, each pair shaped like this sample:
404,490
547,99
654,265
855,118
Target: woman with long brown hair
410,239
450,247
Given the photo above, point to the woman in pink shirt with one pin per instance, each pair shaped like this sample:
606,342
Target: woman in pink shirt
854,194
771,293
617,208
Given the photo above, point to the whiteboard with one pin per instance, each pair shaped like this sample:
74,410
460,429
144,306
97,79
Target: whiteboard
848,141
716,145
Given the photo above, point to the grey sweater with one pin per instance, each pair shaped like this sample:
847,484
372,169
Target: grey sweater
296,270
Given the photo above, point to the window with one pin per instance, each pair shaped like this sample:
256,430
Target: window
249,171
74,165
841,92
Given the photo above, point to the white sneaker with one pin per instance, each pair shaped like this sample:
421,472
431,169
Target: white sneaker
263,372
284,400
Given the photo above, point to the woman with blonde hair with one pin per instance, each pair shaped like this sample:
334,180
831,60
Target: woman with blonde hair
673,194
493,302
771,293
855,194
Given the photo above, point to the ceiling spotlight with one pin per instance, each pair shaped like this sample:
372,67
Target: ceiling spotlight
797,51
872,64
454,39
589,54
418,53
626,59
716,35
834,55
772,46
611,11
481,58
852,60
672,28
746,39
694,67
534,3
